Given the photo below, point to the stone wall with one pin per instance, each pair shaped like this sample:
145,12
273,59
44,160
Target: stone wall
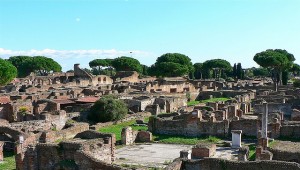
188,125
221,164
249,127
171,86
46,105
283,155
286,108
290,131
127,76
52,136
77,154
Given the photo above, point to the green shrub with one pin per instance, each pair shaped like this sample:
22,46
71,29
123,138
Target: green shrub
296,83
108,108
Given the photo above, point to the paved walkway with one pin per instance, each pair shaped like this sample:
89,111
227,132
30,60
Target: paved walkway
159,155
153,155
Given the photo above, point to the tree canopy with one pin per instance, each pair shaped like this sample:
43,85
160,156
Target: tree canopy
7,72
44,65
295,69
260,72
172,65
20,62
127,64
38,64
198,70
277,61
98,65
222,66
108,108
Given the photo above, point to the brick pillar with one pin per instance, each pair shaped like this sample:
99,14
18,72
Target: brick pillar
239,113
275,128
19,157
258,152
1,151
31,158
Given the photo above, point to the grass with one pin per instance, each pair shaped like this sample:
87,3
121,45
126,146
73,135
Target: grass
173,139
9,162
117,129
195,102
252,150
170,139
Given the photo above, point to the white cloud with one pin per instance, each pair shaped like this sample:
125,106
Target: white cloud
69,57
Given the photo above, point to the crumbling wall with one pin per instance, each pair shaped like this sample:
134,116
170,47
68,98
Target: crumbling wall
46,105
52,135
68,155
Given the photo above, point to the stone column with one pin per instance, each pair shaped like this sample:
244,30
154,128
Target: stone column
264,130
264,127
236,138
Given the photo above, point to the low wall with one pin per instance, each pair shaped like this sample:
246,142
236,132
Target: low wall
285,155
221,164
290,131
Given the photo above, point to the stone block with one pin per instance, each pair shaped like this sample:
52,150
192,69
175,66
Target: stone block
185,154
203,150
243,153
144,136
236,138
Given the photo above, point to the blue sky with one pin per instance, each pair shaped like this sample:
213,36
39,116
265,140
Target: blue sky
78,31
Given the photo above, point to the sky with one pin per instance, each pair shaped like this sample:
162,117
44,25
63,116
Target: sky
78,31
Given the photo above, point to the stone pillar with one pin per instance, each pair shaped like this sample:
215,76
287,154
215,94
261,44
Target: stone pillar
244,107
1,151
264,127
239,113
197,113
249,107
236,138
275,128
231,111
212,118
185,154
127,137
